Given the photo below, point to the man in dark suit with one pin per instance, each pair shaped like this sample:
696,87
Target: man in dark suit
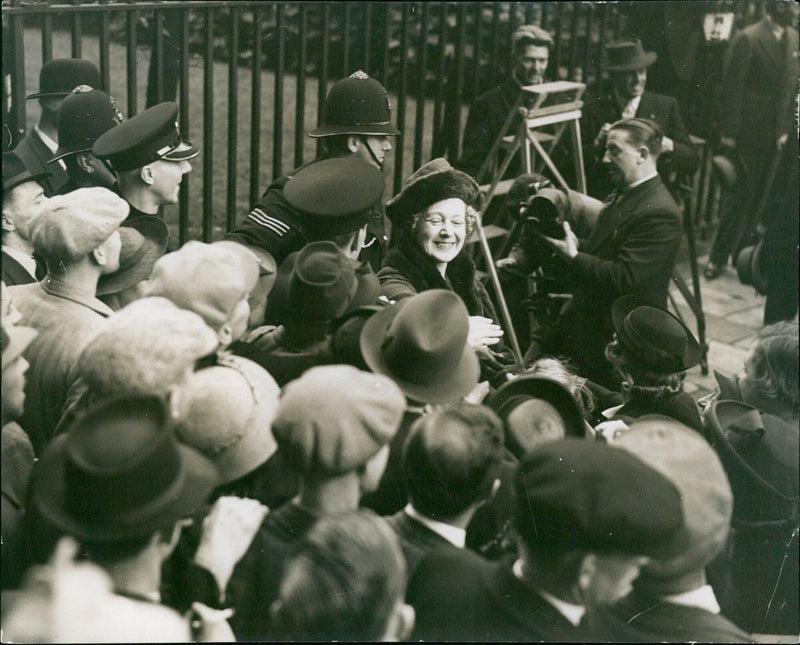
758,111
587,516
57,78
450,462
635,236
627,66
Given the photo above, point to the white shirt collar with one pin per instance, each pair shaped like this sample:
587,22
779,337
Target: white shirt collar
27,261
53,145
572,612
631,105
456,536
642,180
702,597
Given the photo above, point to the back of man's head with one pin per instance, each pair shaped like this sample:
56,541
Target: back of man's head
642,133
449,459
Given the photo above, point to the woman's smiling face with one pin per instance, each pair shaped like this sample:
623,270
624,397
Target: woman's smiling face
442,229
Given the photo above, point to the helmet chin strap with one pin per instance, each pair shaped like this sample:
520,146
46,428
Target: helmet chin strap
371,151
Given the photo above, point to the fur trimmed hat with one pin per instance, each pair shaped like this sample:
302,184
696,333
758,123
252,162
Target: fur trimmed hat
431,183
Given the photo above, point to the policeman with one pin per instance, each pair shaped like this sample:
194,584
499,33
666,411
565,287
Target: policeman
57,78
83,116
149,156
356,121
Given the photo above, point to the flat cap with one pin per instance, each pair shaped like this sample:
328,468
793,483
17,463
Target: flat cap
71,226
149,136
334,418
575,494
335,196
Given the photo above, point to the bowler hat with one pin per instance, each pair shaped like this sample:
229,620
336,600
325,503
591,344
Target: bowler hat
83,116
760,454
656,338
335,196
15,340
357,104
59,76
421,343
144,240
431,183
750,269
119,473
150,135
524,388
628,55
582,495
16,172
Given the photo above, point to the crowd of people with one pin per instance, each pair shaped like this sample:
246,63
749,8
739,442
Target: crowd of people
313,429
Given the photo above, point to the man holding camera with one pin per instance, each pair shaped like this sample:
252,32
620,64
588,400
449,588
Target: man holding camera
633,238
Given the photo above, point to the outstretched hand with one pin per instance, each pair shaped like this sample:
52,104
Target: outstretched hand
483,332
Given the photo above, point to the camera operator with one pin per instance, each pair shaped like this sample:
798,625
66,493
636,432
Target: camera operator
633,238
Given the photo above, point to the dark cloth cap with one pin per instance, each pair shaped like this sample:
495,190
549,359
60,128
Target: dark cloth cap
761,455
83,116
335,196
628,55
654,336
431,183
523,388
16,172
581,495
150,135
357,104
119,473
59,76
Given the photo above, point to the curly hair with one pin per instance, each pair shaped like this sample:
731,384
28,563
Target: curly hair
638,382
470,217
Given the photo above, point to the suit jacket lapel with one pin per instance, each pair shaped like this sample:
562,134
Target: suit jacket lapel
607,223
647,107
769,43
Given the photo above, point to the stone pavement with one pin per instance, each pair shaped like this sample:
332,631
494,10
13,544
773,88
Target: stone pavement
733,313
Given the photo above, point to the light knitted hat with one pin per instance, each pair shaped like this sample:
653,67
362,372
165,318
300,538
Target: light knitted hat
209,279
230,409
71,226
144,349
334,418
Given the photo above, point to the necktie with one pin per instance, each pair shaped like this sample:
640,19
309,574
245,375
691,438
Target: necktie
630,110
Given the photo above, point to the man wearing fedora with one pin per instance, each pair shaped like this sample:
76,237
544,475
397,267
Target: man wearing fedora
356,121
150,157
57,78
627,67
334,424
77,236
587,517
23,196
83,116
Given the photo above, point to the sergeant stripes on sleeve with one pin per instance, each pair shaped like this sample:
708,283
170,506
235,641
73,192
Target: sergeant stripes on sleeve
275,225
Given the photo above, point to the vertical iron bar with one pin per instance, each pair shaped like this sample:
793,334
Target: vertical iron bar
367,35
455,132
280,63
419,121
105,44
401,96
598,63
183,97
255,110
555,64
322,89
438,104
131,52
208,128
346,41
573,40
477,50
158,52
387,37
493,68
233,117
77,36
47,37
19,118
300,105
587,43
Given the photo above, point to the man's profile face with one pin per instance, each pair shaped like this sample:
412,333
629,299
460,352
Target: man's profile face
630,84
167,176
21,205
379,145
532,64
621,159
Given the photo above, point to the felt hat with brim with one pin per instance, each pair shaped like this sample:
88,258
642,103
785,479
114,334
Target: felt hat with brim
421,343
357,104
628,55
761,455
523,388
335,196
147,137
59,76
16,172
144,240
15,340
654,336
83,117
431,183
119,473
750,269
